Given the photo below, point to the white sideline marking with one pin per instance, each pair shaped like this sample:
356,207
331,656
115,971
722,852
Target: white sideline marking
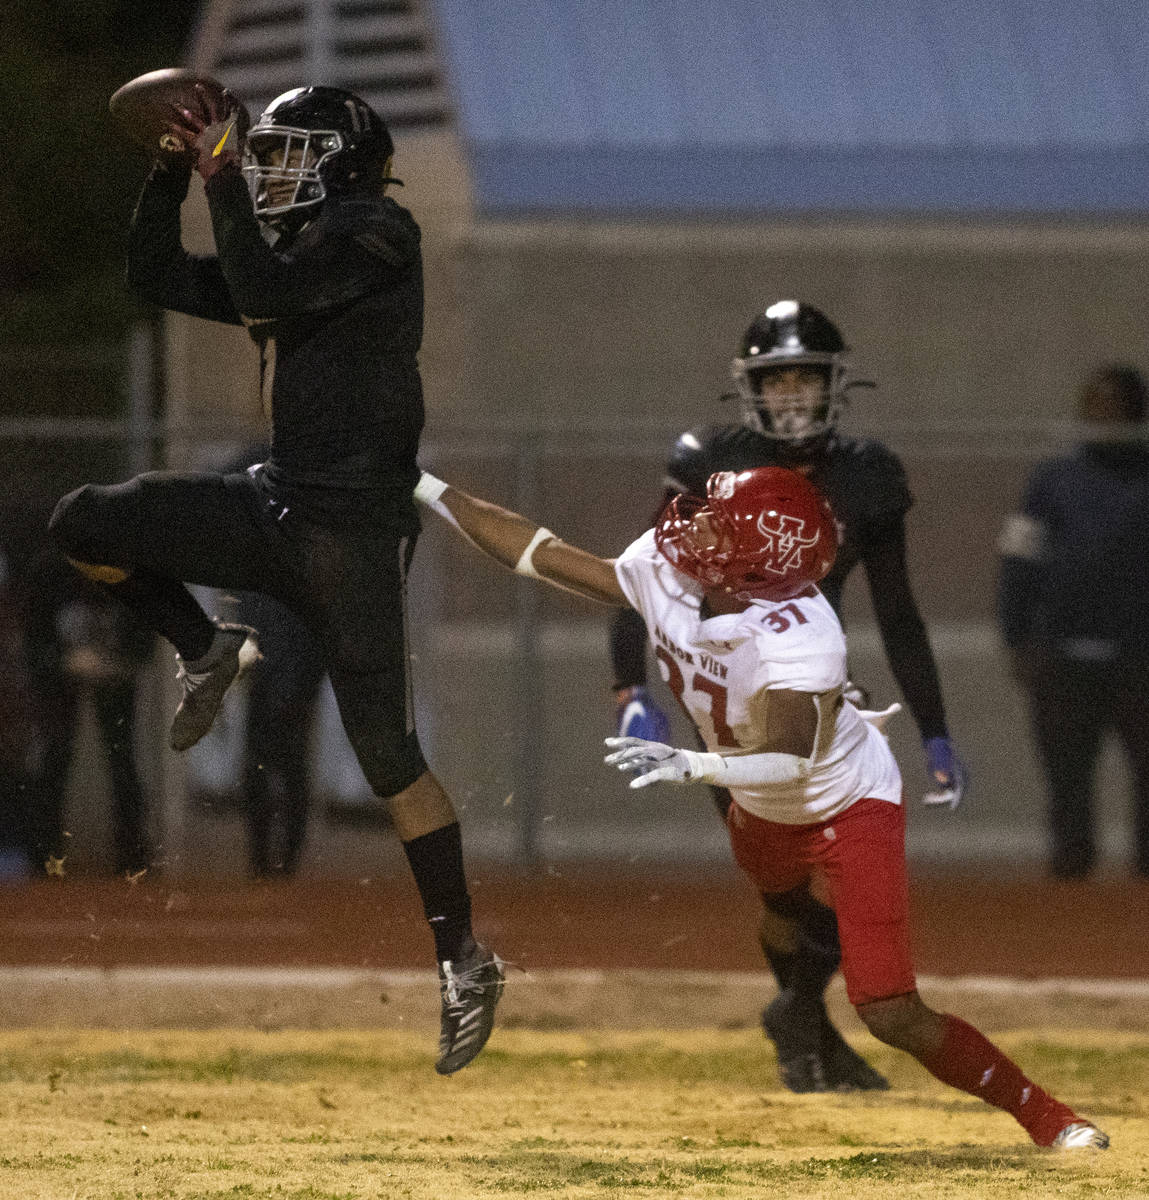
203,928
333,978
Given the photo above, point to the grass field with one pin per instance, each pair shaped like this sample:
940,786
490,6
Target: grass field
325,1116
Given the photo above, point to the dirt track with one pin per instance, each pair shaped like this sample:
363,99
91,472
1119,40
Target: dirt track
573,917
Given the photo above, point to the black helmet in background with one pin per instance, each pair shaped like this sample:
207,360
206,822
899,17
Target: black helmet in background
791,334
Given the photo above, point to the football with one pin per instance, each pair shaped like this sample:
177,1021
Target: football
143,106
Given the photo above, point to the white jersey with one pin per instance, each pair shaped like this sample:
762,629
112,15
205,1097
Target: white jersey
715,667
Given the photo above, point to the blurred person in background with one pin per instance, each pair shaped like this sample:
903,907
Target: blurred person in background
792,376
21,743
727,585
282,699
81,642
1073,610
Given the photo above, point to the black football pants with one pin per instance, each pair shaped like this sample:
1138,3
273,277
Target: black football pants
348,584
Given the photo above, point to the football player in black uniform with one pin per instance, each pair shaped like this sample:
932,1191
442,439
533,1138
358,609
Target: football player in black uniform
325,270
792,381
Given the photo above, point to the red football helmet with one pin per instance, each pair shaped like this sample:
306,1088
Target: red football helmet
762,534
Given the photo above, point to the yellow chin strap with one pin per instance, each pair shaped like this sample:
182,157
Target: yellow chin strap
98,573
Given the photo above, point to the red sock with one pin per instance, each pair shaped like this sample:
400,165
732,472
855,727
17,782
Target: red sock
970,1061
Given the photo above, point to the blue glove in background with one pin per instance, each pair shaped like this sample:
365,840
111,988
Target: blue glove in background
639,716
948,775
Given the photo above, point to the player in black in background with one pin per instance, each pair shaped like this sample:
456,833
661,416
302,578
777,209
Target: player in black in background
791,375
325,270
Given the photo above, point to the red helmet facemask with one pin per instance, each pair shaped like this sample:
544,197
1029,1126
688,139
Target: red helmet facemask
762,534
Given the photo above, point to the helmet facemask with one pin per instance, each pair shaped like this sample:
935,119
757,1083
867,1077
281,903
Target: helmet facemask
796,399
692,537
796,337
749,538
283,166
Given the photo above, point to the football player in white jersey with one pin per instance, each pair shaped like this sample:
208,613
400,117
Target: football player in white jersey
752,649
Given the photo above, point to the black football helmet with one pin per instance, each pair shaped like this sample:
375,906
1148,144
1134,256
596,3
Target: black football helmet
791,334
310,143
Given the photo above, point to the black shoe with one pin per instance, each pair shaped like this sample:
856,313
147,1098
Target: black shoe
470,988
203,691
845,1069
796,1033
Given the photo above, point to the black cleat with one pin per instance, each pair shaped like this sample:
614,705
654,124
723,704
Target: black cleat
470,988
797,1041
203,691
845,1069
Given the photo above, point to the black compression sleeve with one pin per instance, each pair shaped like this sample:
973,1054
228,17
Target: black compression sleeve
903,632
628,649
159,268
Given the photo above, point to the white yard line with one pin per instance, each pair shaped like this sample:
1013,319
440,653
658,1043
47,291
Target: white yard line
335,978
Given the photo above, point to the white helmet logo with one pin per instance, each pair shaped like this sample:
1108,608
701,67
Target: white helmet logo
784,541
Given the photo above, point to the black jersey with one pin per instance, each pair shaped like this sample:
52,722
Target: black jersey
866,486
337,312
864,481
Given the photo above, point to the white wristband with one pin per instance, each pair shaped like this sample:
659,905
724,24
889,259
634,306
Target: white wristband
429,489
526,565
429,492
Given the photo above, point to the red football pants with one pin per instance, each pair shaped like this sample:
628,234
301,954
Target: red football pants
862,855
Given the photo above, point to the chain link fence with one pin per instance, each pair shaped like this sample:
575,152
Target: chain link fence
513,680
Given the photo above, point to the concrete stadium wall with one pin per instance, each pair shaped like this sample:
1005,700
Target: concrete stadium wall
637,322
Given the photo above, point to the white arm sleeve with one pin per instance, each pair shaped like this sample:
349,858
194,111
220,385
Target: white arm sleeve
746,770
655,762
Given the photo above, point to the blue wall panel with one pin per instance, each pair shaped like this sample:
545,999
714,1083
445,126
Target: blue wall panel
735,105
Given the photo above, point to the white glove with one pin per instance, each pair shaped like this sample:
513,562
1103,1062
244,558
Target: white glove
653,762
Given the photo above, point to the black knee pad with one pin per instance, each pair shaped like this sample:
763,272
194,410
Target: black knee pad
377,717
98,523
71,519
391,774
